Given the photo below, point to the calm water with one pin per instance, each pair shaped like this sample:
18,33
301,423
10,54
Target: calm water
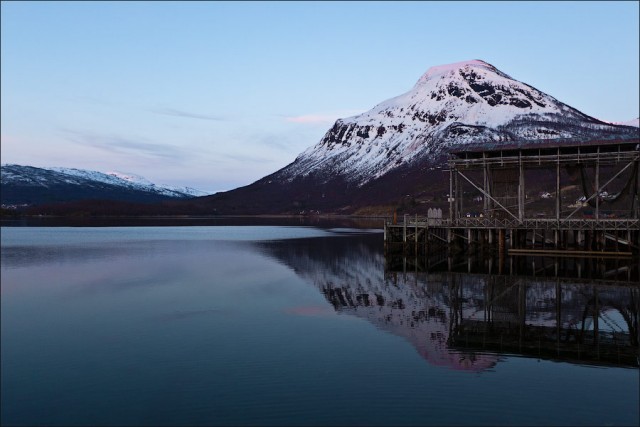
298,325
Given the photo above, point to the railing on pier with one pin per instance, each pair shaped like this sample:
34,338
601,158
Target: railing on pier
534,223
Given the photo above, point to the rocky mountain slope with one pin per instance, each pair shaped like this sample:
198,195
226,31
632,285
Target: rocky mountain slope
28,185
395,152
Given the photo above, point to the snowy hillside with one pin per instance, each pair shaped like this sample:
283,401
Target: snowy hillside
450,105
31,185
131,181
33,175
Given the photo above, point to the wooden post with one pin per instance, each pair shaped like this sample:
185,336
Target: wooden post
580,269
634,194
558,313
460,197
520,187
404,234
450,196
558,187
426,238
415,237
598,185
485,187
596,315
522,304
385,237
533,238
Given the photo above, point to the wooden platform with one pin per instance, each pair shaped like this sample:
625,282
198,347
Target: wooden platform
416,235
606,172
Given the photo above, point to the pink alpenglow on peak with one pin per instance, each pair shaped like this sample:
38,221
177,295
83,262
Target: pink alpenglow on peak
441,70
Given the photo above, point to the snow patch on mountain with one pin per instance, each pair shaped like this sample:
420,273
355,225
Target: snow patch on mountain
142,181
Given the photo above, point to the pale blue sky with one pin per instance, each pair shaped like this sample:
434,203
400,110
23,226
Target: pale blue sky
215,95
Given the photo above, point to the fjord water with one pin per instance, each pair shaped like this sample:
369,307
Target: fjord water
292,325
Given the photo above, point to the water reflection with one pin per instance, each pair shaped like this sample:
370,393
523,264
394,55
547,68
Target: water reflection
465,313
231,325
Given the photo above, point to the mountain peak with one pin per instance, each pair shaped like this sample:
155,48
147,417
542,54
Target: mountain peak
446,69
450,106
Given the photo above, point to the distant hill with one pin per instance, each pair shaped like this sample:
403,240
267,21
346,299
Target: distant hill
22,186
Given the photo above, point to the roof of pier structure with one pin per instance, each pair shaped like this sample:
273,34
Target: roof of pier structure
565,150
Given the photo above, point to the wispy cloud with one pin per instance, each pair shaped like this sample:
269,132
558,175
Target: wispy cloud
280,142
122,145
187,114
243,158
321,118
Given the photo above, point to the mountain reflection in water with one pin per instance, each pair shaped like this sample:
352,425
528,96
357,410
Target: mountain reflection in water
465,313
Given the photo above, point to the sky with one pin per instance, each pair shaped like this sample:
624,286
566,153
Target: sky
215,95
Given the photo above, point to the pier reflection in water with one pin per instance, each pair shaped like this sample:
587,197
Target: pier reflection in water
550,316
463,313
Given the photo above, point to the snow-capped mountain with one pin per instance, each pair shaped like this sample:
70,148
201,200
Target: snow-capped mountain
131,181
392,156
450,105
32,185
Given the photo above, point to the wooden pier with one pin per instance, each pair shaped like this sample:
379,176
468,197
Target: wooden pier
604,221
